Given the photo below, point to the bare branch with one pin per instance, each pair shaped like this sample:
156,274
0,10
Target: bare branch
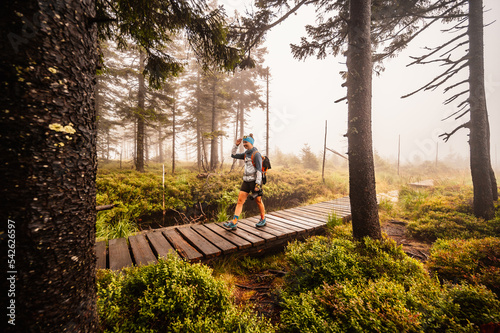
454,97
448,135
419,60
454,113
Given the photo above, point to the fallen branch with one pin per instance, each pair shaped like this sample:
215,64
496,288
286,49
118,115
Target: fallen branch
105,207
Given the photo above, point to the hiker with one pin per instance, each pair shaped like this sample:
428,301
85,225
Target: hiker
252,180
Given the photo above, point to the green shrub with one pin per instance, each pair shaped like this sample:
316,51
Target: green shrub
170,296
372,286
321,260
475,261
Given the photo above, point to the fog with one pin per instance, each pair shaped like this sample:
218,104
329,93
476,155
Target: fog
302,95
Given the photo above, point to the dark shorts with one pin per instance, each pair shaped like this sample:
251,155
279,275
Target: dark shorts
248,187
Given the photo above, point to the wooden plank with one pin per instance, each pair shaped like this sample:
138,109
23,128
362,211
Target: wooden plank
300,216
119,255
199,242
184,248
255,240
334,208
270,228
278,222
250,227
143,255
292,220
100,251
220,242
309,217
316,210
229,235
333,205
306,218
160,244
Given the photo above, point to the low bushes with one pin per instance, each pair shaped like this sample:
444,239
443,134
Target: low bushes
171,296
474,261
339,285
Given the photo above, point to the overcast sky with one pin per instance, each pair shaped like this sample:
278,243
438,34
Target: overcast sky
303,94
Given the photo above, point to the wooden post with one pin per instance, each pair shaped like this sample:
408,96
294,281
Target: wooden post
324,154
163,188
437,143
267,113
399,151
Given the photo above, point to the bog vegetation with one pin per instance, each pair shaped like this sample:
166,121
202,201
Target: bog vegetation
332,282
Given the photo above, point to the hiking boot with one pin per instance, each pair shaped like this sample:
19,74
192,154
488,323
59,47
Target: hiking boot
229,225
261,223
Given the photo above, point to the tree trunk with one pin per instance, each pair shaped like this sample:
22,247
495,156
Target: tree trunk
362,193
198,124
140,117
480,163
173,133
160,142
214,152
49,162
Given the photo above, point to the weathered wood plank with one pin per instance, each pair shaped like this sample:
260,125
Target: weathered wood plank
335,207
119,254
143,255
160,244
271,228
184,248
314,211
214,238
250,227
293,220
100,251
199,242
255,240
277,222
311,218
229,235
301,217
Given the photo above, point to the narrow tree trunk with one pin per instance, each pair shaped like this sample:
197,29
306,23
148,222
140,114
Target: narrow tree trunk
198,143
365,221
49,163
214,154
267,111
140,116
480,163
173,133
160,142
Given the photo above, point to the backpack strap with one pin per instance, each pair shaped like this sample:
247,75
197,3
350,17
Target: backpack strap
253,155
253,163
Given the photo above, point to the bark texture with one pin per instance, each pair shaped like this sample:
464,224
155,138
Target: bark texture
48,148
362,193
480,162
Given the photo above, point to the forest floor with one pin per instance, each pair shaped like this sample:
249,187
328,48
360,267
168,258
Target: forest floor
258,289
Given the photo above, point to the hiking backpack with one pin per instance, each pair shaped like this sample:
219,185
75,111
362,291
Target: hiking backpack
266,165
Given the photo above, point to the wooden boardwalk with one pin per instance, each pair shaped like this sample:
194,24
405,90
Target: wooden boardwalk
205,242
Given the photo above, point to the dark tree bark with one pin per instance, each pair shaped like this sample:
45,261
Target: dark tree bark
141,96
198,123
480,162
214,152
48,139
362,193
173,132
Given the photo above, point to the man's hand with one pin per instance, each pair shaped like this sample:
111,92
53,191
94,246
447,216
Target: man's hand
257,188
238,141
